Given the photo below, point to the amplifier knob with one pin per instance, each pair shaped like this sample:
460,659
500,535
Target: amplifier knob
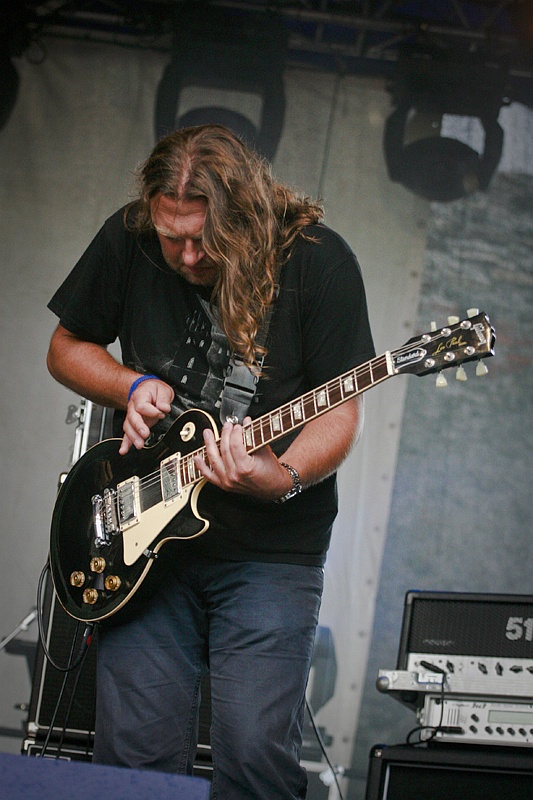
488,729
500,731
511,731
522,731
90,596
112,583
77,578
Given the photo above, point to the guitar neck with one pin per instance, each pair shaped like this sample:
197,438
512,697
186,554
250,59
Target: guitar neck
463,340
276,424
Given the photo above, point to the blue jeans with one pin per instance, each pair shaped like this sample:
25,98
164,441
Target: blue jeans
252,625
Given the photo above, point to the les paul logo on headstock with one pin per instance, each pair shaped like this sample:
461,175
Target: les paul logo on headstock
450,344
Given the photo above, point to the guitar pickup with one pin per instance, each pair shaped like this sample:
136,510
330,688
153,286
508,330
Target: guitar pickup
128,504
171,478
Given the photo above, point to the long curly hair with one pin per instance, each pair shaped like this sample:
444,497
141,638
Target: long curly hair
251,220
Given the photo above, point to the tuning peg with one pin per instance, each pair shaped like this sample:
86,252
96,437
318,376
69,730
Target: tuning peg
433,327
441,381
472,312
460,375
481,369
453,320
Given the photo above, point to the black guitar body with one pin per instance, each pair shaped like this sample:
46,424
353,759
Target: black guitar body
95,576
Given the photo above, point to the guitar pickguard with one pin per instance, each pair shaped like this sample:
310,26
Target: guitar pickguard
139,538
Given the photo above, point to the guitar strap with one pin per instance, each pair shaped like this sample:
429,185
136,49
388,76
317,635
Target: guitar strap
240,384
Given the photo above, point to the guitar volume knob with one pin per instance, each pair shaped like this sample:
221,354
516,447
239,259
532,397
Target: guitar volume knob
97,564
77,578
112,583
90,596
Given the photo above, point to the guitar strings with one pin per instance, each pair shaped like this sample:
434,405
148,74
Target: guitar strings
257,427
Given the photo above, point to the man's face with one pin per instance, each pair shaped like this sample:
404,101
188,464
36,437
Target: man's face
179,225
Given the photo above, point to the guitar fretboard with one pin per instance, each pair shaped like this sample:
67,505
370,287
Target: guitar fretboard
276,424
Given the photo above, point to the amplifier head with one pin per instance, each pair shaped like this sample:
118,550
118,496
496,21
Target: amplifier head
466,624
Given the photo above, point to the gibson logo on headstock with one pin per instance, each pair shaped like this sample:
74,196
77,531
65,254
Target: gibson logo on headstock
450,344
480,330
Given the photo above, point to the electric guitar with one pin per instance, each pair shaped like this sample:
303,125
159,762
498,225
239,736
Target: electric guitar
112,512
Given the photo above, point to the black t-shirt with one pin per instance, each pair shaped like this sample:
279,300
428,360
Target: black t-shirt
121,288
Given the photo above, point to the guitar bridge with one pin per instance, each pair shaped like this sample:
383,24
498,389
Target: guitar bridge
105,517
100,536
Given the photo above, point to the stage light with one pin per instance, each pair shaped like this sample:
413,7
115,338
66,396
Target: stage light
429,85
218,53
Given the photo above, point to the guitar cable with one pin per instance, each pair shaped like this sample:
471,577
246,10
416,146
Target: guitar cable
71,666
70,704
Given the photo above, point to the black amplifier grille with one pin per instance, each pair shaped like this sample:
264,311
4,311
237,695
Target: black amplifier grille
469,624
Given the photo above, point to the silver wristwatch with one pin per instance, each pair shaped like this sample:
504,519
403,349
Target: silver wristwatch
296,487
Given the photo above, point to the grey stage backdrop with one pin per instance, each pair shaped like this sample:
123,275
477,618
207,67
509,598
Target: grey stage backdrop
461,513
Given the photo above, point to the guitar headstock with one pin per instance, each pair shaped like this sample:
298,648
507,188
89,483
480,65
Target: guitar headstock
470,339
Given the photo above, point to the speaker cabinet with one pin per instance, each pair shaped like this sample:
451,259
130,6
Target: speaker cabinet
62,705
448,773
